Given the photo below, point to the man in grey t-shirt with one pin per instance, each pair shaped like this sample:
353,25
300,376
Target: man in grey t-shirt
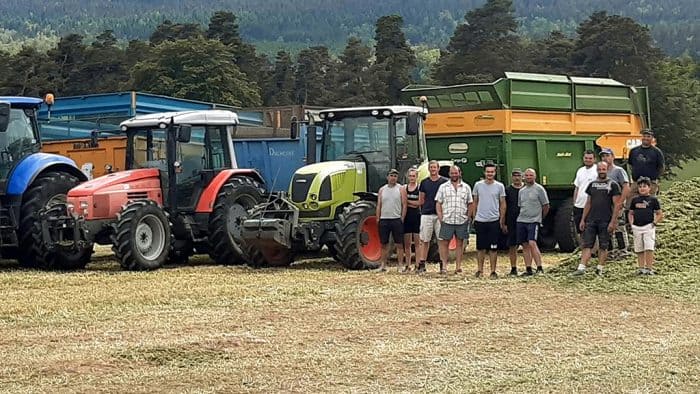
534,206
490,218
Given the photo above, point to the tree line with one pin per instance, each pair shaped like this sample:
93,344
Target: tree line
214,63
673,23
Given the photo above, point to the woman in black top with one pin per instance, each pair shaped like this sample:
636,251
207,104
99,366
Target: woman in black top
411,225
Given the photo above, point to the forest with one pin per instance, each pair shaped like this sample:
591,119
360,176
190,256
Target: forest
294,24
214,61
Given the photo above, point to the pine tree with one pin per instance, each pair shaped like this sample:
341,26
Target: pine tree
314,77
395,60
354,83
280,88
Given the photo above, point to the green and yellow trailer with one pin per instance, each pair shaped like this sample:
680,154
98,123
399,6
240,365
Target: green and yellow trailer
538,121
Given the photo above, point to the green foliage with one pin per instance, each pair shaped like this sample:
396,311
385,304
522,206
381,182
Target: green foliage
484,47
354,82
280,87
314,78
394,59
197,69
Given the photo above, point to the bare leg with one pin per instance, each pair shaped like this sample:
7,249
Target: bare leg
536,254
642,260
458,255
399,255
444,253
649,258
493,259
424,247
527,255
585,256
417,243
385,255
407,249
602,256
513,255
480,256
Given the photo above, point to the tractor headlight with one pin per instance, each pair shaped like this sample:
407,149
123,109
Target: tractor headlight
83,205
313,205
313,196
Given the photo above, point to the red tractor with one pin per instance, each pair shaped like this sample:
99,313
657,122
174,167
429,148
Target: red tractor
179,194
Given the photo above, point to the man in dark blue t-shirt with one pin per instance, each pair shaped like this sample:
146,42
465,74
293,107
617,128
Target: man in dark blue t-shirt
429,223
647,161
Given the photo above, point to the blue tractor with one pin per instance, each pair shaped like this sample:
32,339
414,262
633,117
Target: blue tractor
30,181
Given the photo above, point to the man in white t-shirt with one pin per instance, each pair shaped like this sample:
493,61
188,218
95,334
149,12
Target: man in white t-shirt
584,175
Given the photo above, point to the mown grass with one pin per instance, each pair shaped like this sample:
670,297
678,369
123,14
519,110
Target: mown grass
318,328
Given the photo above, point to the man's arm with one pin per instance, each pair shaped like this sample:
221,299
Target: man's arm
630,216
545,210
575,193
617,202
586,210
379,203
502,212
421,199
439,197
661,162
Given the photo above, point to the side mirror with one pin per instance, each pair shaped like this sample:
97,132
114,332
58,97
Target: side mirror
4,116
413,123
184,133
311,144
294,128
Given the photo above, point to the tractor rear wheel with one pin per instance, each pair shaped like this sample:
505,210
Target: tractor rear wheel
47,190
142,239
232,204
565,228
358,245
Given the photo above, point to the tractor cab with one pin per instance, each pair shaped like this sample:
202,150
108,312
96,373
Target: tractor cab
187,148
19,131
381,138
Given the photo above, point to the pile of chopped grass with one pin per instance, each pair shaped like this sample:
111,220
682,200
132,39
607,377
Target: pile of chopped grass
677,252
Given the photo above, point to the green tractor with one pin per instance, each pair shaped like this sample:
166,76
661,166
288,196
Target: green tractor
333,203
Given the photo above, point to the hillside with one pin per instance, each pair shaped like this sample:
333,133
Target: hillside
675,24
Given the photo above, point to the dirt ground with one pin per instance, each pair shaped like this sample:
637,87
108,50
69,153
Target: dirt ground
317,328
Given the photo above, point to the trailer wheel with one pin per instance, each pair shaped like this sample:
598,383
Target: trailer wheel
232,204
142,239
47,190
358,245
565,228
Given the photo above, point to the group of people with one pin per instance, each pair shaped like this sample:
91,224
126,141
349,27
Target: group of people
445,208
603,192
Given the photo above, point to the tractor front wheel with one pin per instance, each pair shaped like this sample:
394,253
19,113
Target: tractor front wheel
232,204
48,190
358,245
142,239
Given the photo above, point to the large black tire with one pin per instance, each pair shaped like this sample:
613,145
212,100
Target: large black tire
356,247
332,251
564,227
142,239
48,189
234,200
546,237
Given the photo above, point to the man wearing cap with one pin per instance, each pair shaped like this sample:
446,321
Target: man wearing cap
512,211
648,161
392,203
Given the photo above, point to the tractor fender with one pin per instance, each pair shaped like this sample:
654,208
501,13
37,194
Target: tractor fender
367,196
208,197
30,167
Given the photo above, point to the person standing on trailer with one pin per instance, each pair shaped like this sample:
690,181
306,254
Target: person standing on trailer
411,225
648,161
489,220
429,223
391,211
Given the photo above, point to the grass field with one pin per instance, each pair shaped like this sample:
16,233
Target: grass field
317,328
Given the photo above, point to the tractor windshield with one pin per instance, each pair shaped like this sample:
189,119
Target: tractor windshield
356,135
149,149
20,138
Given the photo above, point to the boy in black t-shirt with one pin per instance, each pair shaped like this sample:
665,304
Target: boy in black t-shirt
645,213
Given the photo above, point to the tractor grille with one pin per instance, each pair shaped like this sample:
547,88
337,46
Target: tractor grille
301,183
137,195
321,213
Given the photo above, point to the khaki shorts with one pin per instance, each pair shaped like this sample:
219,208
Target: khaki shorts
429,225
644,237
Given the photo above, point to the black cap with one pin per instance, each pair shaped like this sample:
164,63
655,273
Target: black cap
516,171
393,171
648,132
